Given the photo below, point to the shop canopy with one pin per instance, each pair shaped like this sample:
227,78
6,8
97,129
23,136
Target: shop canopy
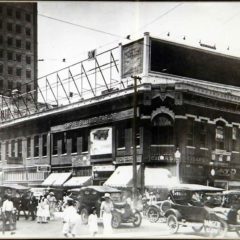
56,179
14,186
122,177
78,181
159,178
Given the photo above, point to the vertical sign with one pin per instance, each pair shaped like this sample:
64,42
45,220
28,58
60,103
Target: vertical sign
132,59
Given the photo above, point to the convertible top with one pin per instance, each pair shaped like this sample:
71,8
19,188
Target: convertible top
102,189
195,187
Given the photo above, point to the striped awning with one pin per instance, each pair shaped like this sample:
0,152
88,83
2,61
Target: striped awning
78,181
56,179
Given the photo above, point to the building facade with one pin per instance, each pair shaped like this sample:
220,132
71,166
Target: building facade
187,100
18,47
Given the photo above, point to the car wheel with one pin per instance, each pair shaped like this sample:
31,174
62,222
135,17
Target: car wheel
137,219
172,223
116,220
197,229
153,214
84,215
220,230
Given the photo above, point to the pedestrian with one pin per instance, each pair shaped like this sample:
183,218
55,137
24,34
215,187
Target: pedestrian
17,204
71,220
32,206
52,204
93,222
24,205
46,212
7,213
40,210
106,213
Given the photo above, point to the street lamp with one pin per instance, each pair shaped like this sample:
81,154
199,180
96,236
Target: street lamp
177,157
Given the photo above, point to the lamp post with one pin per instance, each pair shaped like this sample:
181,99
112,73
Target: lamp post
177,158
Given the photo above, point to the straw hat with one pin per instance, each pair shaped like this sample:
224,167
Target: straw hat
107,195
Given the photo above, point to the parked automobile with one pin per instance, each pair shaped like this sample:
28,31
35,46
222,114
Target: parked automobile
92,196
188,209
229,210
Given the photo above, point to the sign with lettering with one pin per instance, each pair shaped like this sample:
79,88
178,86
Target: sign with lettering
132,59
128,159
43,168
94,121
101,141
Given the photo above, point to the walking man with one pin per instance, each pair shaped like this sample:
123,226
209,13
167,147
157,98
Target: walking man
32,206
7,214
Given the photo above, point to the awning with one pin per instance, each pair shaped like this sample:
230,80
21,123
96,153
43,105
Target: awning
122,177
56,179
159,177
14,186
78,181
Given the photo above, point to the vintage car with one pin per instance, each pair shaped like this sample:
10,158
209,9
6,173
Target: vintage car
229,210
92,196
188,209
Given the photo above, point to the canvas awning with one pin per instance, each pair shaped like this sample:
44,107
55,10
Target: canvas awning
159,177
56,179
78,181
122,177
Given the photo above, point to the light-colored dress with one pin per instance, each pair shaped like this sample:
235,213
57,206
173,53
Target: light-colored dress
93,224
107,208
71,220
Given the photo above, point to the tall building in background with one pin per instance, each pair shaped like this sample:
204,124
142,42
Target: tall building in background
18,47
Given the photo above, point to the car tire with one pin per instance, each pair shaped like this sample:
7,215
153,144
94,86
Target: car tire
116,220
217,232
197,229
84,215
153,214
138,219
172,223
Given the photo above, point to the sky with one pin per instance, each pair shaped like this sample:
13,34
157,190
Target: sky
211,22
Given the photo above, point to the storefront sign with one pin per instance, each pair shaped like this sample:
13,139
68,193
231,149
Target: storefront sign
94,121
102,168
101,141
128,159
43,168
132,59
161,157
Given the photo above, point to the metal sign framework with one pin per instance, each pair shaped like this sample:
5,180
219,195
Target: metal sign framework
83,80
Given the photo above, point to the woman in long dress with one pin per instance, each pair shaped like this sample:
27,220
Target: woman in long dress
46,212
93,222
40,210
106,214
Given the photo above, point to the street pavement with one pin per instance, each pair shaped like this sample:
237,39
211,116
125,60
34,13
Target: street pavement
28,229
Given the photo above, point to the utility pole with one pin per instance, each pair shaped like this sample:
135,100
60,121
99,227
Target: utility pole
134,133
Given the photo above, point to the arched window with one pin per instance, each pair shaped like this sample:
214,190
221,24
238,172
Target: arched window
220,135
162,130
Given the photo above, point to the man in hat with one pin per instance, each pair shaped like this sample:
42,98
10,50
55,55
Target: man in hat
106,213
52,204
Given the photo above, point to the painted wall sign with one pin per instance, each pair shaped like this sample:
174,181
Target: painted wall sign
128,159
94,121
132,59
101,141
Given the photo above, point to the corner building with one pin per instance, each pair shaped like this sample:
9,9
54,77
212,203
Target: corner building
187,99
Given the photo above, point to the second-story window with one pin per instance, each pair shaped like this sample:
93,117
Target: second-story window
85,136
9,27
0,151
234,138
7,149
220,135
28,147
44,145
19,143
120,137
18,43
203,134
10,41
190,133
36,146
13,148
19,72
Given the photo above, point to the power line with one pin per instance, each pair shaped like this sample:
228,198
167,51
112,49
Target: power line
81,26
162,15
